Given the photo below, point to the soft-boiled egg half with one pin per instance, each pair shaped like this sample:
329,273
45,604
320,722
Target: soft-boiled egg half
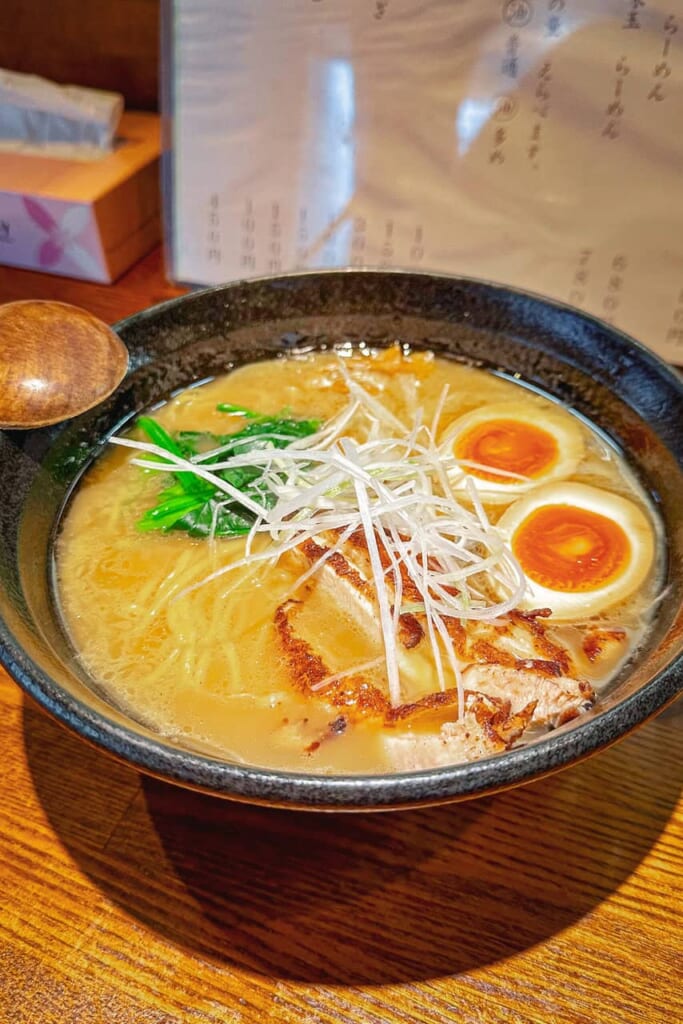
509,449
582,549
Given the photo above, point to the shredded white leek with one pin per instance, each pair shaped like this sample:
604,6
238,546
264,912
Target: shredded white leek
366,470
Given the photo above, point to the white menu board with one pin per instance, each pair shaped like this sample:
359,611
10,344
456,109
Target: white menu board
537,143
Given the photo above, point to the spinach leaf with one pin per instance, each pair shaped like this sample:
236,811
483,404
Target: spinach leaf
195,505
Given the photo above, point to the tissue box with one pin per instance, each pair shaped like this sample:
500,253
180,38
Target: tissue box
86,219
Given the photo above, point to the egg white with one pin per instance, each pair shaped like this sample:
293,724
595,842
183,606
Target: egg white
559,424
629,516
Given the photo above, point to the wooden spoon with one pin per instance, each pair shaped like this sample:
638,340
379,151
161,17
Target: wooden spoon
56,361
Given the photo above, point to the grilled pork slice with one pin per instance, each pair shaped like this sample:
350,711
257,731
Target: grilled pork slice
352,693
516,656
350,564
500,704
342,584
487,727
556,700
516,672
520,640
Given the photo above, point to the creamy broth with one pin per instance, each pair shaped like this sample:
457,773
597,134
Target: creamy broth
201,660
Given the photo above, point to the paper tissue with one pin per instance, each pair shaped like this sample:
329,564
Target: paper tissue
79,190
38,116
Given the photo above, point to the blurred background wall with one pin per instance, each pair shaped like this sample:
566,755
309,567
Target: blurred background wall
105,44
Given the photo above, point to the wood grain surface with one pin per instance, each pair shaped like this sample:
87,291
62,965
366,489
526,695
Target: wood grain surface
123,899
84,362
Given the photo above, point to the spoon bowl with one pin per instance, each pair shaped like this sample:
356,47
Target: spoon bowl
56,361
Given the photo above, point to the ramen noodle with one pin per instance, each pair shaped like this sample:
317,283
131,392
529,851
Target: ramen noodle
357,562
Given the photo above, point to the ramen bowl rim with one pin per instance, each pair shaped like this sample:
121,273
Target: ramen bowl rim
556,750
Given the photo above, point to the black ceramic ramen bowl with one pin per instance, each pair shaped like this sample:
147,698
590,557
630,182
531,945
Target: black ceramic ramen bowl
620,386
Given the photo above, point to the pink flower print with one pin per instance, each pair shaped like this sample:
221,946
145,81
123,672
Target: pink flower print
62,240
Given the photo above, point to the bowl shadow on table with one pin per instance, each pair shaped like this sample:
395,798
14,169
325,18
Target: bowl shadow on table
354,899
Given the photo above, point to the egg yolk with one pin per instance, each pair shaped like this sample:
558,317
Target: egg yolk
571,549
512,445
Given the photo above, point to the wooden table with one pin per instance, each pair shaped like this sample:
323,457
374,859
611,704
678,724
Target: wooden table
127,900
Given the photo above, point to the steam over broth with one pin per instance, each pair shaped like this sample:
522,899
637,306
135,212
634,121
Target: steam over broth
288,663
